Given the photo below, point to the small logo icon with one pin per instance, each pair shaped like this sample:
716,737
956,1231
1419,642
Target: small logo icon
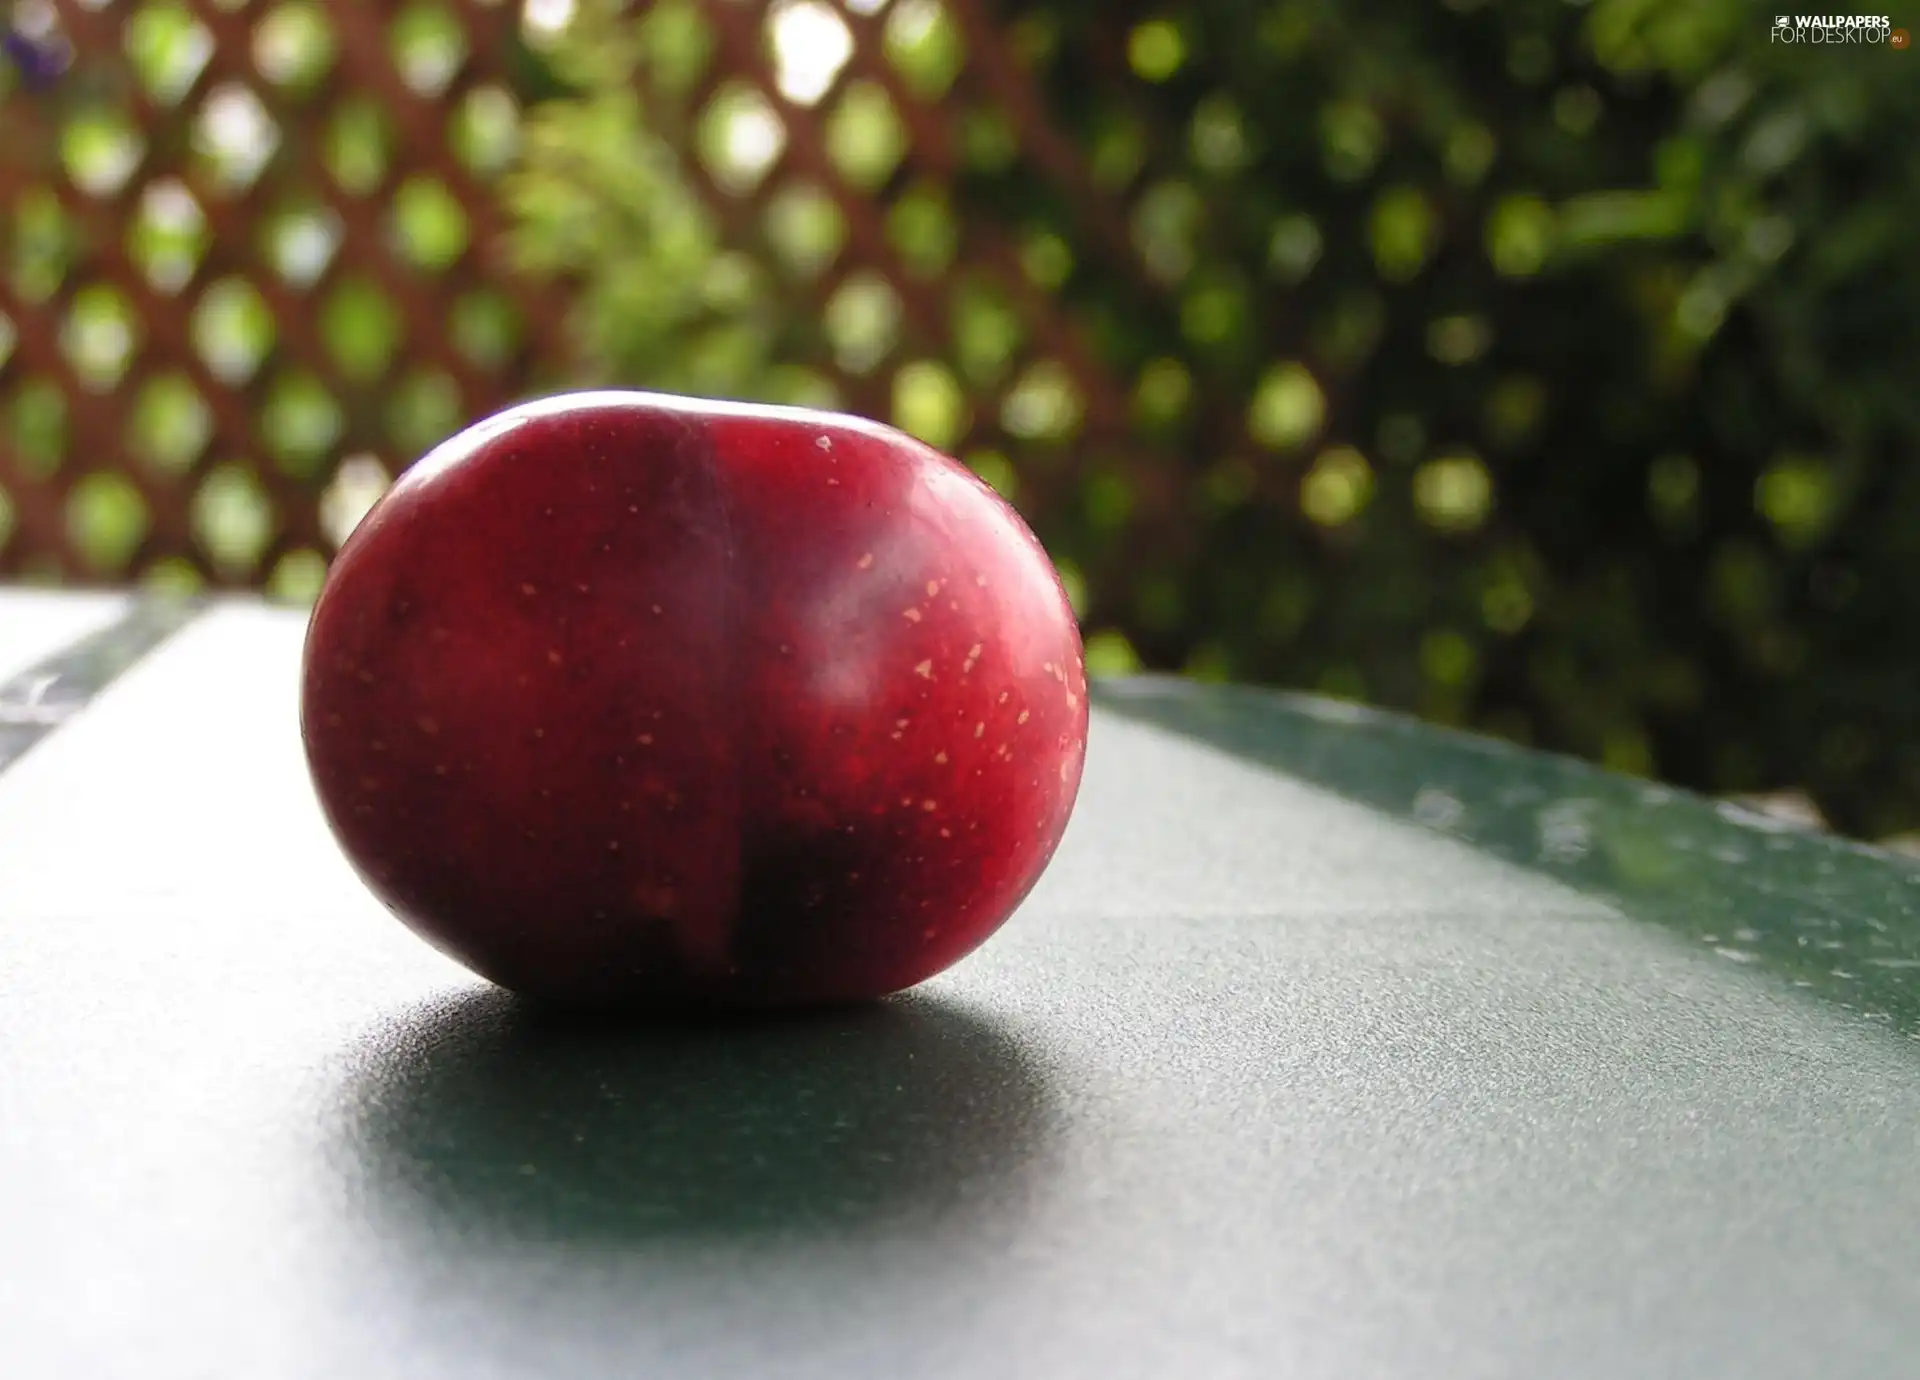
1899,38
1780,21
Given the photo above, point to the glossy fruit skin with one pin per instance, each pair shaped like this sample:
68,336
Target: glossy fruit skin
629,700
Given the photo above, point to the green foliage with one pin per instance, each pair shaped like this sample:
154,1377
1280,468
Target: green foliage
599,199
1547,367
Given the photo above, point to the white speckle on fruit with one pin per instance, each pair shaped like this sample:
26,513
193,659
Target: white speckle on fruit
365,676
583,589
924,670
940,757
528,590
1003,695
973,655
946,833
1065,767
539,733
979,730
1047,666
646,740
832,482
553,655
825,443
1024,716
933,587
865,562
656,610
980,580
906,800
1073,700
633,507
911,615
929,805
613,845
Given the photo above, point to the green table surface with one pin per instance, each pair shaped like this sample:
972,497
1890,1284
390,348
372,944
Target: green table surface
1330,1046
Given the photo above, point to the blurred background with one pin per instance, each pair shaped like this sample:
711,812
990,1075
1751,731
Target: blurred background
1550,369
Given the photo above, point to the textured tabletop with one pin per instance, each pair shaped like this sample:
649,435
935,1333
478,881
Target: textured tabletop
1329,1047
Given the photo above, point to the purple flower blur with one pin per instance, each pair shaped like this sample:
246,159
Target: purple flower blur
40,63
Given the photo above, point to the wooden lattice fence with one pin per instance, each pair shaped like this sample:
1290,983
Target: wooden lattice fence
249,266
253,263
251,259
